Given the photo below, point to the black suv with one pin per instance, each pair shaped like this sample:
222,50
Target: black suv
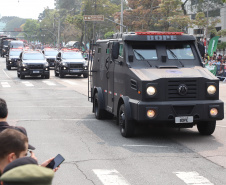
50,55
32,63
12,57
71,63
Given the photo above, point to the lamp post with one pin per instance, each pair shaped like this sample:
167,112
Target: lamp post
121,21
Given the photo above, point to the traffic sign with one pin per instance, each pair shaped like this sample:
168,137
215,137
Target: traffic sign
93,17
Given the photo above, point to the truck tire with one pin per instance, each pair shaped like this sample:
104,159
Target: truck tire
99,113
206,128
22,76
56,74
8,67
47,76
127,127
60,74
85,75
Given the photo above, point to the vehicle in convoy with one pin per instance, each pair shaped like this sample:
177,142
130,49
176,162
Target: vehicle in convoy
73,45
50,55
32,63
70,63
12,58
154,78
16,44
4,45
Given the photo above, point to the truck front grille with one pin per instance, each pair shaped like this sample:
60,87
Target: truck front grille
38,66
173,90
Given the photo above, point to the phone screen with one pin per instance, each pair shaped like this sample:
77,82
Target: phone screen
55,162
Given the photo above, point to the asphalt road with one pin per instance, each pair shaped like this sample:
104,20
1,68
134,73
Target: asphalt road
58,119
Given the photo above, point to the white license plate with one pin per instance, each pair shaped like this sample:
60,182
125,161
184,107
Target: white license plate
35,71
75,70
184,119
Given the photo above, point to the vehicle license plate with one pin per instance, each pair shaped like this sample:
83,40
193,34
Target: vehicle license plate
35,71
184,119
75,70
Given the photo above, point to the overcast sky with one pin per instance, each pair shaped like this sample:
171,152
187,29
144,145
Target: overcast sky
24,8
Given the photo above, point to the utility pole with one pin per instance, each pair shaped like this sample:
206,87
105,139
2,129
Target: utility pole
94,23
121,21
207,16
58,40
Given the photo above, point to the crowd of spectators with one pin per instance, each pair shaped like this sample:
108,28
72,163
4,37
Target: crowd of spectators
217,60
16,168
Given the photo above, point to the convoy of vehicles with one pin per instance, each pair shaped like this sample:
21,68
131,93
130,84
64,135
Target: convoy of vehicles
142,77
70,62
154,78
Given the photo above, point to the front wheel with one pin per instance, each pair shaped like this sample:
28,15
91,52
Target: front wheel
206,128
127,126
47,76
22,76
85,75
8,67
56,74
61,74
99,113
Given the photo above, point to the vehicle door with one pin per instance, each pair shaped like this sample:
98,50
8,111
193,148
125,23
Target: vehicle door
110,65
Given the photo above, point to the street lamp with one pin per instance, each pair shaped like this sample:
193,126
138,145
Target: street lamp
121,22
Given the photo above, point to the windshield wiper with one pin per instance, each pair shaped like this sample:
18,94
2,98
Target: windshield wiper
142,57
175,56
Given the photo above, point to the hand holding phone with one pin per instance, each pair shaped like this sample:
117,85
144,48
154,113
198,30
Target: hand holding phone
55,162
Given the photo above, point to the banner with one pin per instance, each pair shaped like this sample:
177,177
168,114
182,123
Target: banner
212,68
212,45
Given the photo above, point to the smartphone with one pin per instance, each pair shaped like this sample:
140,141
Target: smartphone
56,162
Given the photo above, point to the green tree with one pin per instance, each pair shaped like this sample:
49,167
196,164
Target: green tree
12,23
170,16
31,28
138,15
100,7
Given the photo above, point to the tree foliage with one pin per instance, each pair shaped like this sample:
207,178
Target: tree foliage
12,23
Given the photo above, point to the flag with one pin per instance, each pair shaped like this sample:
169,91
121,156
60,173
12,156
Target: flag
212,68
212,45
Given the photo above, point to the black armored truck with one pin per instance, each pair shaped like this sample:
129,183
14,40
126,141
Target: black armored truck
154,78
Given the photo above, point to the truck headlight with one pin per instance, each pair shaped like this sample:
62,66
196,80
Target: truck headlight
151,90
211,90
85,67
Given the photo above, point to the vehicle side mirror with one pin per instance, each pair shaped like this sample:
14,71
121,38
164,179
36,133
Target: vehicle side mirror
201,48
86,58
43,52
115,50
164,58
7,55
58,58
130,58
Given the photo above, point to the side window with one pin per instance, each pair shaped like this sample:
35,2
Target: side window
99,50
121,50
